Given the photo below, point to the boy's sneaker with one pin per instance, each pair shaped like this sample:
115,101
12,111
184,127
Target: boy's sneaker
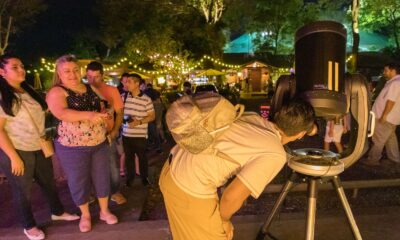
118,198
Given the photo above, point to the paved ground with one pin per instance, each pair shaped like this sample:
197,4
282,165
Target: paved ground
374,224
378,222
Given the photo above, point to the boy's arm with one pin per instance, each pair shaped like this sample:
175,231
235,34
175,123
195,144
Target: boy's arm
231,201
233,198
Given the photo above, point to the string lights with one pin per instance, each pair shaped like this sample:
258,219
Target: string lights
165,63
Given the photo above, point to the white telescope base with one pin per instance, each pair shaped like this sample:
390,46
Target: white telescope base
313,165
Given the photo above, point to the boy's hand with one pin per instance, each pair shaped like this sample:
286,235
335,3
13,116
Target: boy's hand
228,227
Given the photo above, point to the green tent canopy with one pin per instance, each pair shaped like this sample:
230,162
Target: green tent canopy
369,41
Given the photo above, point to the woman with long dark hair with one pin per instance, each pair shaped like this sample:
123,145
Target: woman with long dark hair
22,114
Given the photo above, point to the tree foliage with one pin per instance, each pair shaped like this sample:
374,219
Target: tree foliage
382,15
15,15
277,23
211,9
156,27
165,33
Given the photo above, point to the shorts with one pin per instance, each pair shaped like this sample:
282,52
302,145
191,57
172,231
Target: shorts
337,134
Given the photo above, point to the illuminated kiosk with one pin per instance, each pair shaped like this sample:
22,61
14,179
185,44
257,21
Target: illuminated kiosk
321,80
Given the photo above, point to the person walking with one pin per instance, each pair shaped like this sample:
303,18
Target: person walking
387,116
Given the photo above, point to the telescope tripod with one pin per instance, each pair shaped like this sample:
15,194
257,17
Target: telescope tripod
312,189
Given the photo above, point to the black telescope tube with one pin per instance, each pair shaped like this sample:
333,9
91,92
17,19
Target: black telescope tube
320,52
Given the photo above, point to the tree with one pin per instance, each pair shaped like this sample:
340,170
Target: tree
14,16
211,9
382,15
118,20
163,27
272,21
355,7
275,25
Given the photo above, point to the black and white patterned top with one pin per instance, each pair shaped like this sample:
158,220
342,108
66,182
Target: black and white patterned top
81,133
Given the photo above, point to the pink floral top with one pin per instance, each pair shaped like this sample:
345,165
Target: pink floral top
81,133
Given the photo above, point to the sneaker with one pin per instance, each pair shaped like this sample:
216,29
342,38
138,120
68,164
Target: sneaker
65,217
118,198
109,218
38,236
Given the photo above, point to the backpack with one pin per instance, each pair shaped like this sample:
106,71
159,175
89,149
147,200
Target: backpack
196,121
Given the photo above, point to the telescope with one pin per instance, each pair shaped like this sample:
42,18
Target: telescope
320,79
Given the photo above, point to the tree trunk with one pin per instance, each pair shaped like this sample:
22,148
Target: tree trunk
354,59
356,36
108,53
4,45
276,39
395,36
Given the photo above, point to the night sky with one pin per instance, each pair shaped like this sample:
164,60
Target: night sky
53,33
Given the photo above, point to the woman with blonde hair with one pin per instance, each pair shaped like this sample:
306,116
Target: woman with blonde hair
81,143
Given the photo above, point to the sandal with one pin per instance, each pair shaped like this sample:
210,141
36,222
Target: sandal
85,225
109,218
38,236
65,217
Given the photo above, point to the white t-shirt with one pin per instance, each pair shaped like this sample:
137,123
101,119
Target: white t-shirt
391,91
20,129
252,142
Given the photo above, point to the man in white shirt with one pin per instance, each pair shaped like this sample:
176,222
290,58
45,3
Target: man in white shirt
254,153
387,114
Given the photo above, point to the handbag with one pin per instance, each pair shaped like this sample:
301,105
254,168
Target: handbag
46,143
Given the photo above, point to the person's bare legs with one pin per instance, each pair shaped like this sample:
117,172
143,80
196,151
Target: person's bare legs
103,203
339,147
326,146
122,163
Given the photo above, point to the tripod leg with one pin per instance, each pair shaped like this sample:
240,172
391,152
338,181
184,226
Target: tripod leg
312,208
339,188
285,190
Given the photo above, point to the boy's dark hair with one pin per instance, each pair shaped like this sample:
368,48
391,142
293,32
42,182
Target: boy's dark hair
295,117
393,65
95,66
125,74
136,76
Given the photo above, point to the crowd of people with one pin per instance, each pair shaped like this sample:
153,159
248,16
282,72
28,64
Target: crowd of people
103,132
100,131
